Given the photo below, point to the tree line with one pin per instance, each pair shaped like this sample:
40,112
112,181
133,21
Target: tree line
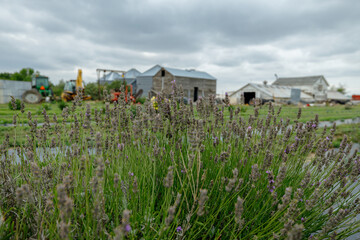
24,74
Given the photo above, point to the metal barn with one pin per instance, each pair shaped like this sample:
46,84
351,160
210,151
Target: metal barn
12,88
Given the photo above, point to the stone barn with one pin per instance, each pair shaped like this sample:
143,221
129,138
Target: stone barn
194,83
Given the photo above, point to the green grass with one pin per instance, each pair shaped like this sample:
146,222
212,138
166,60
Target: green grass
352,131
6,115
326,113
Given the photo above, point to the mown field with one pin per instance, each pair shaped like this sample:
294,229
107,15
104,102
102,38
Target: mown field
174,171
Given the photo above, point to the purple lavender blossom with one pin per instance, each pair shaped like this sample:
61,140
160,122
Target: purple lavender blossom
127,228
249,127
179,229
327,138
314,125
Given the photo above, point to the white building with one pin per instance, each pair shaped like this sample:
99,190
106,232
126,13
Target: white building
316,86
266,93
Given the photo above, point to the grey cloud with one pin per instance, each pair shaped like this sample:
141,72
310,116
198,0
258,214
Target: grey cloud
253,39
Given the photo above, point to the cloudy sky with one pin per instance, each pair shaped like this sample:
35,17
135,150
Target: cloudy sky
235,41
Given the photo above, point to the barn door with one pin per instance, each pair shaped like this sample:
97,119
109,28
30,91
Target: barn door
196,93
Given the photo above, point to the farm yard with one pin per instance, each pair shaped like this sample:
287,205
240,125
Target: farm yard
193,120
174,171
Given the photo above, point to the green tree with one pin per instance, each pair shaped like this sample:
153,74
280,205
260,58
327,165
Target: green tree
115,85
92,89
59,88
24,74
5,76
340,88
16,76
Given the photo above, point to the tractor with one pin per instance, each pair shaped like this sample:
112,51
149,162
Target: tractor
72,87
40,90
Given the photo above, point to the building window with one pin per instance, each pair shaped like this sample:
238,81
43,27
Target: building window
320,88
163,73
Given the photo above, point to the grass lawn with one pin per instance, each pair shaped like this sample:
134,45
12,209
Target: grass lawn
328,113
6,115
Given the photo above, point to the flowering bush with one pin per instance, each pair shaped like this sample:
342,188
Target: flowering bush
178,172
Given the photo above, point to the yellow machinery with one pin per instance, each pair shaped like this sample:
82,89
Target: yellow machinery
72,87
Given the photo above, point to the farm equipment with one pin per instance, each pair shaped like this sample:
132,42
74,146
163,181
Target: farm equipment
40,90
72,87
128,94
131,93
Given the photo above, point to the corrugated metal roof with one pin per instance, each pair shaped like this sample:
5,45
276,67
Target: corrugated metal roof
178,73
151,72
275,91
189,73
132,73
111,76
299,81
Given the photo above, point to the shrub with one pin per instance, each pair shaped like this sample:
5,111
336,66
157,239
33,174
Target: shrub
46,106
348,107
62,105
17,105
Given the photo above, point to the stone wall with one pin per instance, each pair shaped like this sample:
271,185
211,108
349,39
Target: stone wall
205,86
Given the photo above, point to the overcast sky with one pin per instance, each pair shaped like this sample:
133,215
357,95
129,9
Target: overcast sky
235,41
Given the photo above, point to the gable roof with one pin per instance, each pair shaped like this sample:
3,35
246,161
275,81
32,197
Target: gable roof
299,81
177,73
111,76
274,91
151,72
132,73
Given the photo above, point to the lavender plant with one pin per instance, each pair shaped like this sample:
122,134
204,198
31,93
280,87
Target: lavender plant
176,173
